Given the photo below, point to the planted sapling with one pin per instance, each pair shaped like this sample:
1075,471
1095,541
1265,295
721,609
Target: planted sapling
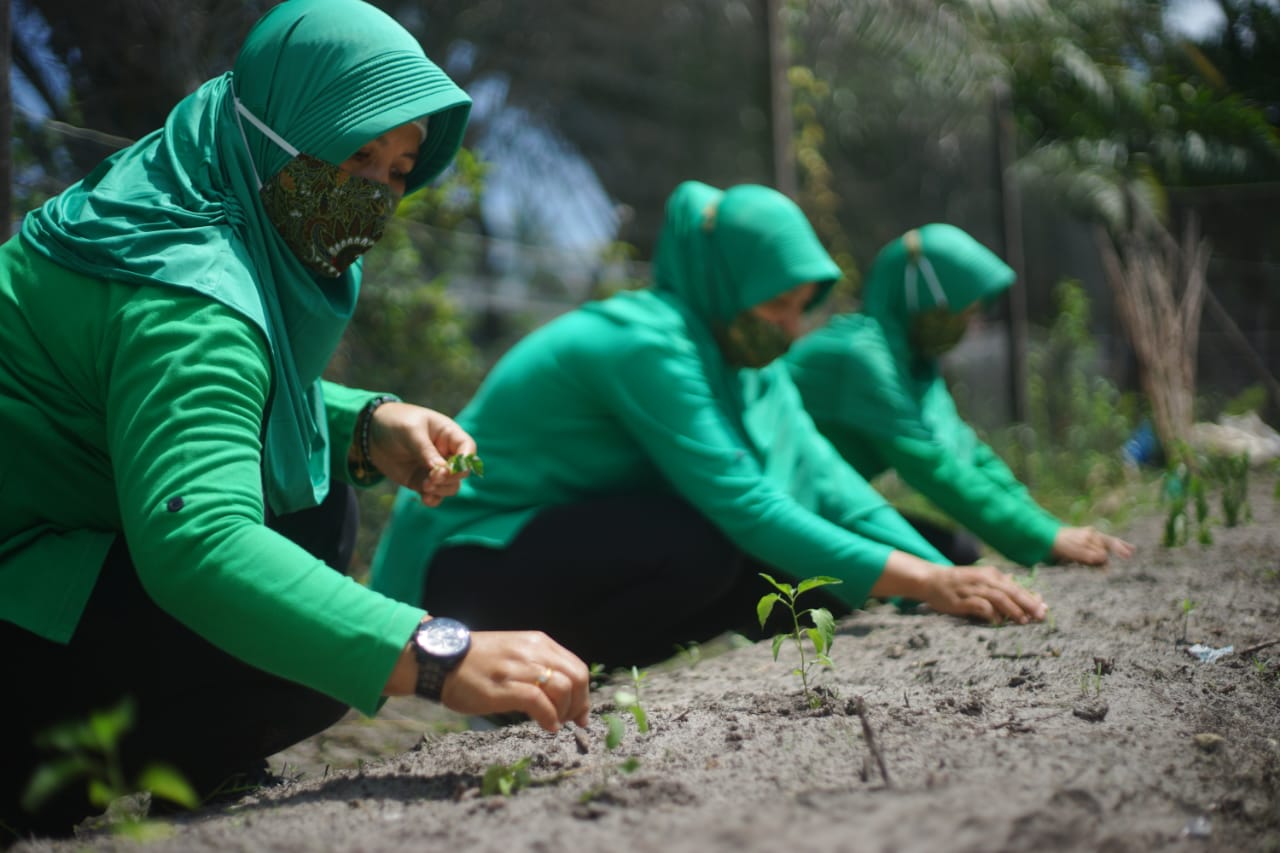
1187,606
821,634
506,779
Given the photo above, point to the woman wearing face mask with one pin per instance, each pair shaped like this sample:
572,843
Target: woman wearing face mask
871,382
646,458
177,477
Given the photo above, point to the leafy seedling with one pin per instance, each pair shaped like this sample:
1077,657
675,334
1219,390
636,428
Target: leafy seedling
506,779
89,750
465,463
821,634
615,731
629,701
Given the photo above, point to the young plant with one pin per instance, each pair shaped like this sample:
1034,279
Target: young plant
629,701
89,750
615,731
821,634
1187,606
506,779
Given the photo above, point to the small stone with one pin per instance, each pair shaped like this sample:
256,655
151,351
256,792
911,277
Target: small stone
1208,741
895,652
1094,712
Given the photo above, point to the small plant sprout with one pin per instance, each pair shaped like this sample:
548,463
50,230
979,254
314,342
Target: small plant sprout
1187,606
821,634
629,701
506,779
89,750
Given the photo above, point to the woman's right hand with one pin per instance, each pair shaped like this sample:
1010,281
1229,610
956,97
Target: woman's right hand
982,592
503,670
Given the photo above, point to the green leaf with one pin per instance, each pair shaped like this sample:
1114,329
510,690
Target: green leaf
783,588
826,625
778,640
815,582
108,726
166,782
765,606
101,794
616,730
630,765
642,719
50,778
623,698
819,641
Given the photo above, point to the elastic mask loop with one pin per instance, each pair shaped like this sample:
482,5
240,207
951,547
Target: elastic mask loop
242,110
916,263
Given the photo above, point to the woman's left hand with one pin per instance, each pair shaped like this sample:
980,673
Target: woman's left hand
409,445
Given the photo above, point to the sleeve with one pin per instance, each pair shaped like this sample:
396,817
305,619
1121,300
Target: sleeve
665,401
980,493
342,407
186,388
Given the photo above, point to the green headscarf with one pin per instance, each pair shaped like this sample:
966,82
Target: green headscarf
879,382
722,252
180,207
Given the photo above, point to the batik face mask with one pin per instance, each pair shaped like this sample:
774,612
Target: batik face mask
752,341
936,331
327,217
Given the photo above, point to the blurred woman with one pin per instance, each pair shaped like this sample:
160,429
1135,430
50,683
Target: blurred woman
872,384
646,458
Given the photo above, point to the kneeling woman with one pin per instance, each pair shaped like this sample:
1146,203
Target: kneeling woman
646,458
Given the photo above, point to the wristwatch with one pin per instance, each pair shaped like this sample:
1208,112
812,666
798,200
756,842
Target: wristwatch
439,644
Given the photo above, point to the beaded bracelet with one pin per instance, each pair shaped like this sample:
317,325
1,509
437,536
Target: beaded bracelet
364,472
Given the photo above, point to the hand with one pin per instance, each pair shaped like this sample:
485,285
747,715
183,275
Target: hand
408,444
1087,545
501,673
982,592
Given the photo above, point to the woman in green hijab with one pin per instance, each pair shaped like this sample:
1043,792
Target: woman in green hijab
646,458
871,382
177,477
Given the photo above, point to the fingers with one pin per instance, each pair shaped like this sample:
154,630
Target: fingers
985,593
1119,547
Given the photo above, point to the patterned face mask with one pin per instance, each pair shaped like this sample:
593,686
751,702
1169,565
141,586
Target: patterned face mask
752,341
327,217
936,331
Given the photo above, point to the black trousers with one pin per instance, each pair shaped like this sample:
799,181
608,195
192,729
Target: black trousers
958,545
619,581
197,708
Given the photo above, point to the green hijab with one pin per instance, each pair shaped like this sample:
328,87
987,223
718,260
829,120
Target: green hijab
876,379
180,207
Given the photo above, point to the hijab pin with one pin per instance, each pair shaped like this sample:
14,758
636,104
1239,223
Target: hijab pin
709,216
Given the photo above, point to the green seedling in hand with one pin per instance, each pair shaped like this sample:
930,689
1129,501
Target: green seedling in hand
821,634
465,463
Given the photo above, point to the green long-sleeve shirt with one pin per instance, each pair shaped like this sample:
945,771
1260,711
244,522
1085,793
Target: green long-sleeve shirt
137,410
885,407
617,397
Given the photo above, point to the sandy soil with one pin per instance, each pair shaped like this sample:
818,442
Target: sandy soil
992,739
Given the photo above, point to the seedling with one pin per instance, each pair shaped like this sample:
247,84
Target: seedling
506,779
821,634
615,731
1187,606
629,701
465,463
90,751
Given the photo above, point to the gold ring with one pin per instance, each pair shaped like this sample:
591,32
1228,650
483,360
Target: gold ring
546,676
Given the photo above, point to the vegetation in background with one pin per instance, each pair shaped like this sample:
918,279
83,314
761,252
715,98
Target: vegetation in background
1069,451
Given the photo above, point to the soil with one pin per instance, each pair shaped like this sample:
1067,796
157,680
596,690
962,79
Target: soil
1095,731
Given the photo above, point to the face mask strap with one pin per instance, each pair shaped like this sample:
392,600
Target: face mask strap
917,263
242,110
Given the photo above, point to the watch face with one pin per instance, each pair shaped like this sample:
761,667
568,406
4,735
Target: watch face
443,637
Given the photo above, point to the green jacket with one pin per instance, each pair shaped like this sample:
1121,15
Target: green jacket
137,410
631,395
884,407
